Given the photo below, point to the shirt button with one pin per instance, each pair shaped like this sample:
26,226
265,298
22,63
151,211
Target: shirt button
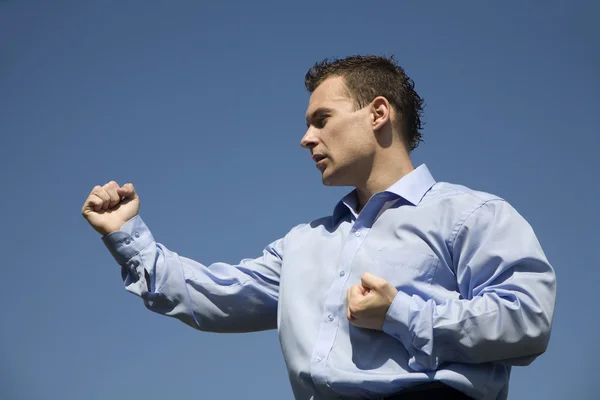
342,273
357,234
330,317
127,241
137,234
319,359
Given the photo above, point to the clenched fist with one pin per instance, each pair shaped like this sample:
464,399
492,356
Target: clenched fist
108,207
368,302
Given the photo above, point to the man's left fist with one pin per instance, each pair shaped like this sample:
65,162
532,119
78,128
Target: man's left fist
369,301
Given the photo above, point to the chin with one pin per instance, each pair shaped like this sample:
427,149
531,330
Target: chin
326,182
326,179
330,179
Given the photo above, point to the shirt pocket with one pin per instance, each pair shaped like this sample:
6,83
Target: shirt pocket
406,270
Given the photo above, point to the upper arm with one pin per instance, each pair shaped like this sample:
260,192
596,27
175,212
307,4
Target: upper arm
495,247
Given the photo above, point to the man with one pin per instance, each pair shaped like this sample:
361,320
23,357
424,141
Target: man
410,289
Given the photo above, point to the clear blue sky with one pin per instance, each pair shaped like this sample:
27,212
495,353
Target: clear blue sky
201,105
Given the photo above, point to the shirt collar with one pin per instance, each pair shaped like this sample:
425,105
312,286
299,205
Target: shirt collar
411,187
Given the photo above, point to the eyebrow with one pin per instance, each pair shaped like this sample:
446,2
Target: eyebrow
318,112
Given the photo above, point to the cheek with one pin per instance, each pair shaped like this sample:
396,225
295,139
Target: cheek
357,140
346,140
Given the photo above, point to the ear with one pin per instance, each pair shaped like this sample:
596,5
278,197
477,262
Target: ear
380,112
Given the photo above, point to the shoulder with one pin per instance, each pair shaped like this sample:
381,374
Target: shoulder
460,205
478,215
454,193
459,202
324,223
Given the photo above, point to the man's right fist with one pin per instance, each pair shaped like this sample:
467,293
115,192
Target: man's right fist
108,207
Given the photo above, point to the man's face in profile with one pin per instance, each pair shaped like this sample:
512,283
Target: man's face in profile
339,136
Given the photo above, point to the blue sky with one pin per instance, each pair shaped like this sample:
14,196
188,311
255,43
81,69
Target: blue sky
201,105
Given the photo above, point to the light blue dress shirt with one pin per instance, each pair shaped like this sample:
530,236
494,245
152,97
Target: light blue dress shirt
476,292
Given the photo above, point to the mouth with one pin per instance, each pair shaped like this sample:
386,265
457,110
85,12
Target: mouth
320,160
318,157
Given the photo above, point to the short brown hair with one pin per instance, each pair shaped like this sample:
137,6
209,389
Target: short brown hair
370,76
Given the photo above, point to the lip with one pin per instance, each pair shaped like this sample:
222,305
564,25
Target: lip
321,163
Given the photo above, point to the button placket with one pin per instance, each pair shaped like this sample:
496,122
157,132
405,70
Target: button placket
356,235
328,329
330,324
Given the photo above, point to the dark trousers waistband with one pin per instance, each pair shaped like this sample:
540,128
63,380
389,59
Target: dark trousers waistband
431,390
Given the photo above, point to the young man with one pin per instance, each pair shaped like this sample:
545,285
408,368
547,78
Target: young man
410,289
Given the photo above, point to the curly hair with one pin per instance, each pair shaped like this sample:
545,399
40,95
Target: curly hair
370,76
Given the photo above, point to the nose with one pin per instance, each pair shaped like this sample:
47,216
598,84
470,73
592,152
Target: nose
309,140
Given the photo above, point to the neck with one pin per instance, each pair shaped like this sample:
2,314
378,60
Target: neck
384,174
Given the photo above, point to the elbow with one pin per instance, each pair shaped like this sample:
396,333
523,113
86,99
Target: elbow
527,350
538,334
535,324
538,344
533,343
533,350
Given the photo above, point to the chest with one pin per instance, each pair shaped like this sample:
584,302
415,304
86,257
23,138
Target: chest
407,249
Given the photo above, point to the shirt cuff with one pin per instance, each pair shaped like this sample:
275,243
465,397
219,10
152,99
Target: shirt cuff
128,241
396,320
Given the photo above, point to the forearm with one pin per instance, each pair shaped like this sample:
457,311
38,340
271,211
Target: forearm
218,298
496,326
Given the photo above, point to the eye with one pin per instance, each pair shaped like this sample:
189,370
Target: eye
320,122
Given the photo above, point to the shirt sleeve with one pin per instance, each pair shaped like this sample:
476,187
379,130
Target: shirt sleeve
216,298
507,295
